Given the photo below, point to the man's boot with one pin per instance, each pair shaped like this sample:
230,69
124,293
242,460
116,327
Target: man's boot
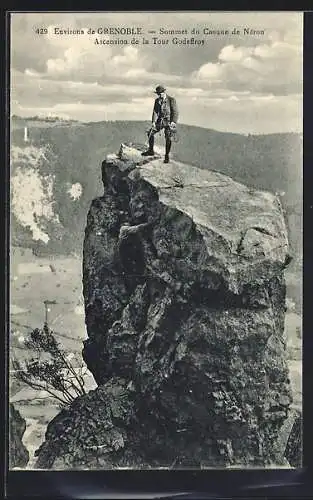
150,151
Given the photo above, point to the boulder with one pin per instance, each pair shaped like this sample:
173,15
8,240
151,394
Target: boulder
89,434
294,443
18,454
184,289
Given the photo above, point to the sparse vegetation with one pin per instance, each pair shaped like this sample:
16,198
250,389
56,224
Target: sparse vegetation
49,368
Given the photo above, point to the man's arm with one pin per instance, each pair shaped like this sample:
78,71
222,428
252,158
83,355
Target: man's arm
174,110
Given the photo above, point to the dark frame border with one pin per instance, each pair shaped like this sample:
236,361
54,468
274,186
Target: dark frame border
161,483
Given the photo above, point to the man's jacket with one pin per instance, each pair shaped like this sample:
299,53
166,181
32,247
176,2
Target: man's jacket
167,111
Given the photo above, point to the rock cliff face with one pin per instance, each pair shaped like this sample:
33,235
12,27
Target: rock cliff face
185,302
19,455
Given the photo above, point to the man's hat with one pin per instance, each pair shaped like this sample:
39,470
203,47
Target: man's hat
159,89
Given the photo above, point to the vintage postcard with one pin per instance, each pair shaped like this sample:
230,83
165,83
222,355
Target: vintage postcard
156,240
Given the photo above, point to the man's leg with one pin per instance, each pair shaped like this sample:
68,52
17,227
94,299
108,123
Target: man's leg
150,151
151,142
168,144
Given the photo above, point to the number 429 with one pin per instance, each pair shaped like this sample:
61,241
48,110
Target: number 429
41,31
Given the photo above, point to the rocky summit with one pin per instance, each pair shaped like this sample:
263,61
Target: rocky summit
183,274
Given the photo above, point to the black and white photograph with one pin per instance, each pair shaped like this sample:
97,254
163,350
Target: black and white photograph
155,240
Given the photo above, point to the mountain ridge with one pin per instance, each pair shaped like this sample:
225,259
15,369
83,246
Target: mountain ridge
16,118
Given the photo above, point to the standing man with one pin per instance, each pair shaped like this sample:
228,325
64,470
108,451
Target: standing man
164,116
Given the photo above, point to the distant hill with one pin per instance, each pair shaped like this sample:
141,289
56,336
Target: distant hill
39,121
71,154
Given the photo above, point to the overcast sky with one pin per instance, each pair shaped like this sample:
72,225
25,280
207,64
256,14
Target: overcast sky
238,83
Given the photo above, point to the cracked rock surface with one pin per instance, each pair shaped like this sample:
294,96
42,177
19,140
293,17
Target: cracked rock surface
184,294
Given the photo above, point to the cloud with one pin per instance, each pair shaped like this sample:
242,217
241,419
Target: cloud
208,72
42,91
64,74
80,59
275,67
233,54
64,55
82,63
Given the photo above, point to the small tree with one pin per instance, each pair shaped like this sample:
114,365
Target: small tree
51,369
